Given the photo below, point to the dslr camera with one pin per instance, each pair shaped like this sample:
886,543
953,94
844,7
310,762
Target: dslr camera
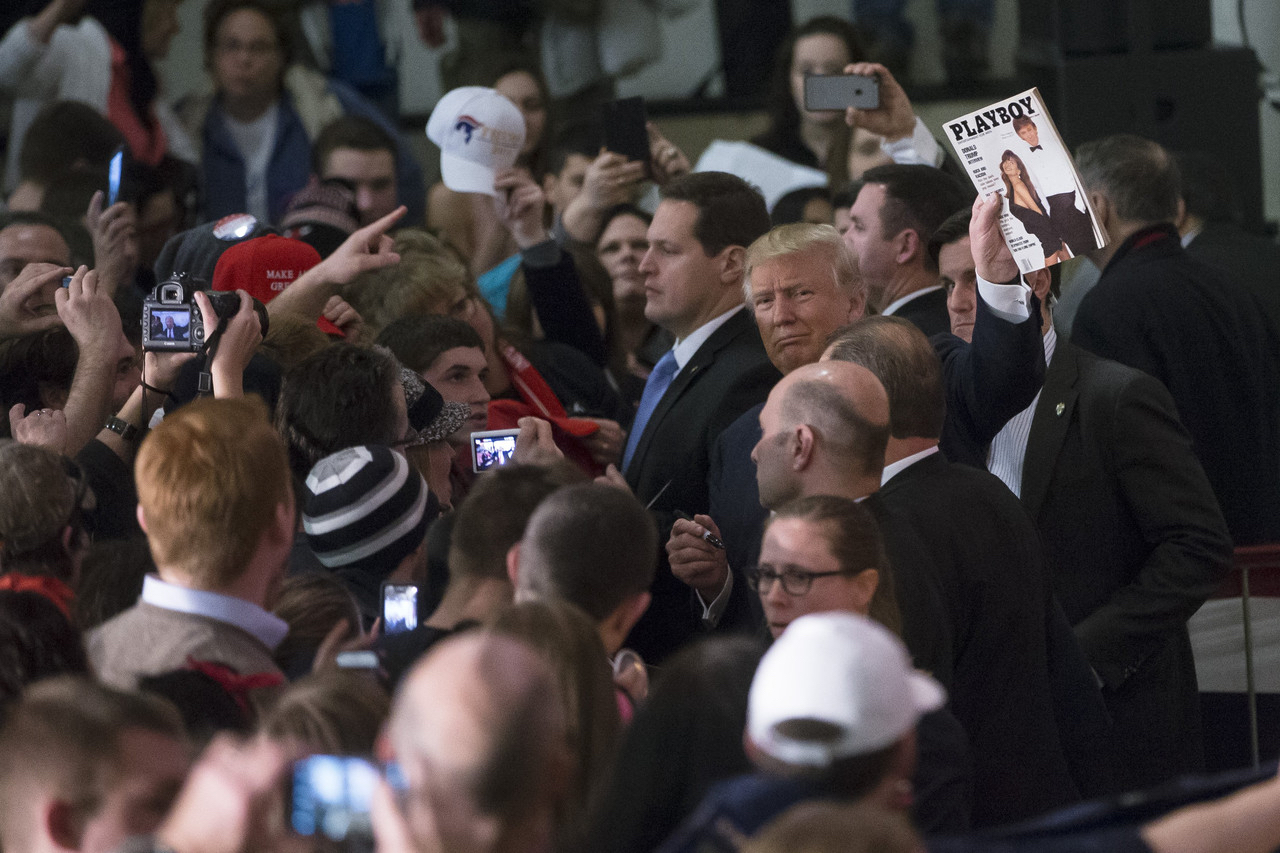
171,319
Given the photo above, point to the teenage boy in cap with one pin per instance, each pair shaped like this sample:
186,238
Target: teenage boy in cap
365,518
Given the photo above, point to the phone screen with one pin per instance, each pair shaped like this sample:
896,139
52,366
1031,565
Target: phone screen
330,796
492,448
114,171
399,607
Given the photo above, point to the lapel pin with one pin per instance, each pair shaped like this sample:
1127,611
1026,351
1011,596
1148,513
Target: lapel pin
1059,409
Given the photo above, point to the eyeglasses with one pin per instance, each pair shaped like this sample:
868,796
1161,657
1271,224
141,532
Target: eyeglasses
793,582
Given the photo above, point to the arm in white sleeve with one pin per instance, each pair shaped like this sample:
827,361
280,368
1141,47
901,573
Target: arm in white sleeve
1008,301
918,148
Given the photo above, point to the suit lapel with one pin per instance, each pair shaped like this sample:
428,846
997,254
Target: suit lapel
702,359
1049,425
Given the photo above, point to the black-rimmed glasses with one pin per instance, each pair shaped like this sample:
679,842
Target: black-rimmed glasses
793,582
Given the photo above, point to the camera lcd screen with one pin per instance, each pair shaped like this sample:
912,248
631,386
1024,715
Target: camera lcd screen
171,324
490,450
399,607
331,796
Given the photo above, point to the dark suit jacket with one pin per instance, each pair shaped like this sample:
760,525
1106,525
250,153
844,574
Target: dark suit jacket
735,505
988,381
726,376
1250,260
928,311
1135,543
984,558
1160,310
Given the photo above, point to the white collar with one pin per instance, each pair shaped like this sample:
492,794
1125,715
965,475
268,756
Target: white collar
898,303
249,617
904,463
685,349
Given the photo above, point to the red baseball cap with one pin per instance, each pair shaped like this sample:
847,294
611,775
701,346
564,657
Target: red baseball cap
264,266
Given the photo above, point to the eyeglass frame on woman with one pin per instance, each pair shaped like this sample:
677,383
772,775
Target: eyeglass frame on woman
757,577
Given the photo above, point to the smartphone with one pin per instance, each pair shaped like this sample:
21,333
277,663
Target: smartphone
492,447
329,796
362,660
115,171
838,91
626,129
399,607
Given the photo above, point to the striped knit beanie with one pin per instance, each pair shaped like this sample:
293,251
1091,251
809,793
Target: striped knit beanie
365,510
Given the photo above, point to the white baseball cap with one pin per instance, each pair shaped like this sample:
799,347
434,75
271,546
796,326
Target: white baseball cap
843,670
479,133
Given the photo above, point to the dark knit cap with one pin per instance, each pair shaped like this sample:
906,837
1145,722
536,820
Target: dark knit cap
196,251
365,510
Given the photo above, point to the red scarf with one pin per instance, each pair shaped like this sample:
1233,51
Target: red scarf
51,588
539,401
238,686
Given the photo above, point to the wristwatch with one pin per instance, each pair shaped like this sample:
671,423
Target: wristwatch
123,428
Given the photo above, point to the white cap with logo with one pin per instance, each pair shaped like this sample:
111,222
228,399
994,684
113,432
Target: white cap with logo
843,670
479,133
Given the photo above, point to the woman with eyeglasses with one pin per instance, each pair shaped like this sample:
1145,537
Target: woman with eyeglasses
823,553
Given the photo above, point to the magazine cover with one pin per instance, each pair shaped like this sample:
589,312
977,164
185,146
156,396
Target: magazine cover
1013,148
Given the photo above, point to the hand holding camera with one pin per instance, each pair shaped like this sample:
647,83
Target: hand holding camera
240,338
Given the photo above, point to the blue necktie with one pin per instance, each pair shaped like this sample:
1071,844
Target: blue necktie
654,387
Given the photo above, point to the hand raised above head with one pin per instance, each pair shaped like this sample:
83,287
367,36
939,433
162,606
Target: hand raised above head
27,304
894,118
89,312
992,259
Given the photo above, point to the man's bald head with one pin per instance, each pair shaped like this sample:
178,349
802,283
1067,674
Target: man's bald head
482,745
838,408
844,401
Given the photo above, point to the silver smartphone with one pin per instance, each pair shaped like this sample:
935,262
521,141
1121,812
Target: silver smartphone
838,91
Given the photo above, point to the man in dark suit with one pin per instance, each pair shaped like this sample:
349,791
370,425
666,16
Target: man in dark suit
717,370
1134,538
983,556
896,211
1157,309
1211,231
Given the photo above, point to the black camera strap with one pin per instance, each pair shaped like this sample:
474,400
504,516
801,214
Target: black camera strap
205,386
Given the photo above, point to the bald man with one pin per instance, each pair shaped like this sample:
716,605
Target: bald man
823,432
483,752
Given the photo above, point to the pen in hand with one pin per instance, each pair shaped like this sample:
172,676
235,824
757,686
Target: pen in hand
707,536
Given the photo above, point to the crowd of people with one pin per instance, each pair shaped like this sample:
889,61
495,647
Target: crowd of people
818,532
